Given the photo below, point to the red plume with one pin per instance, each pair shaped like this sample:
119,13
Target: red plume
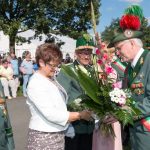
130,22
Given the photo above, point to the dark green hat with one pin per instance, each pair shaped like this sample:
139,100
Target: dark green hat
127,34
130,24
84,42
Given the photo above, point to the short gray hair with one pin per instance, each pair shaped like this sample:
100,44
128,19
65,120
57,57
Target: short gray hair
138,42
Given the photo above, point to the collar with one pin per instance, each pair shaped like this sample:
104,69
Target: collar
82,65
135,60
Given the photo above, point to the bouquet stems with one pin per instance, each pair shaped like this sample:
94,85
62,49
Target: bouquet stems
106,129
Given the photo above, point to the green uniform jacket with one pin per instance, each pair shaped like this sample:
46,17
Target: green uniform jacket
140,136
6,136
74,90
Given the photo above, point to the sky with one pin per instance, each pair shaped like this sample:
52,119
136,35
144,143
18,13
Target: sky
112,9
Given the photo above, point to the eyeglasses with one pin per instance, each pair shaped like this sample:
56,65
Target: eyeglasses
53,65
118,48
84,52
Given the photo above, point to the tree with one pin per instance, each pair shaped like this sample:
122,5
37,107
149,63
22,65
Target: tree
146,33
67,17
109,32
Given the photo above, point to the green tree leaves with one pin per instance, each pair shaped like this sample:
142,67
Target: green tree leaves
67,17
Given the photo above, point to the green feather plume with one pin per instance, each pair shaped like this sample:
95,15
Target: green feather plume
135,10
87,37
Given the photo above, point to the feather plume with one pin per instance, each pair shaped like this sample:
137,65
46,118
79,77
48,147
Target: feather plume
135,10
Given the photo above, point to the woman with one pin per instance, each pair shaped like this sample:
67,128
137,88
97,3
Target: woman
47,102
6,73
26,69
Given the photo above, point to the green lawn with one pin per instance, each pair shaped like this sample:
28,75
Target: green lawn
19,92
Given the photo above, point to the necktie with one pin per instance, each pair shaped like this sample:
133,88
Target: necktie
130,72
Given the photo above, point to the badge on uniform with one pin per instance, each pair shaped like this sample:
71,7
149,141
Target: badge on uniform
137,88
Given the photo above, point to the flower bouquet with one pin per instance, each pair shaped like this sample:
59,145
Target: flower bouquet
76,105
103,94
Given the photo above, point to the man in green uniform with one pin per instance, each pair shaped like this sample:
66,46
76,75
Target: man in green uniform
83,129
6,135
137,78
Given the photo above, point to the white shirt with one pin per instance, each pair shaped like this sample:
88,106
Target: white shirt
135,60
50,101
7,72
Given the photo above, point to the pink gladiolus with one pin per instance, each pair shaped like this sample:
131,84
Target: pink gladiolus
103,46
117,85
100,62
97,52
105,57
108,69
122,101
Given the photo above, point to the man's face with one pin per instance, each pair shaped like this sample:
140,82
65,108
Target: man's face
84,56
125,50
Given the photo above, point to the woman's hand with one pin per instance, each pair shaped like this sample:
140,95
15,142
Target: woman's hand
86,115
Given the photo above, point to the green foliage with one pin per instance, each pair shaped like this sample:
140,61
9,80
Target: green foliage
109,32
67,17
85,80
97,98
146,33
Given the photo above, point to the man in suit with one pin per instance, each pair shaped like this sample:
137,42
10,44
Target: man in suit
83,129
137,78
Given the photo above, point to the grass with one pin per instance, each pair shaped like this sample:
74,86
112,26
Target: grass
19,92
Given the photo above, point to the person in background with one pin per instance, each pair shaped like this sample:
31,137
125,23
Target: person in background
27,70
20,73
7,79
47,102
83,129
15,67
35,65
6,133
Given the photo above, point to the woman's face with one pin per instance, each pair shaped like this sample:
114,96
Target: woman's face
28,56
5,64
49,68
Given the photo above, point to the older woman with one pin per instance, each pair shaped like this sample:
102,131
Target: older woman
47,102
7,80
27,69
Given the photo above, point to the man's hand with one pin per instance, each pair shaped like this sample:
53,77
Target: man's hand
109,119
127,108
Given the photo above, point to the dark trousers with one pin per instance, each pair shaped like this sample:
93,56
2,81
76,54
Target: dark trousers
79,142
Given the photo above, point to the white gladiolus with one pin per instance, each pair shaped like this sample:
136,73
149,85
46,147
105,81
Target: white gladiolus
118,96
77,101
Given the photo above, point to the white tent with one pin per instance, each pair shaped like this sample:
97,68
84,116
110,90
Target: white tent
68,47
4,43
